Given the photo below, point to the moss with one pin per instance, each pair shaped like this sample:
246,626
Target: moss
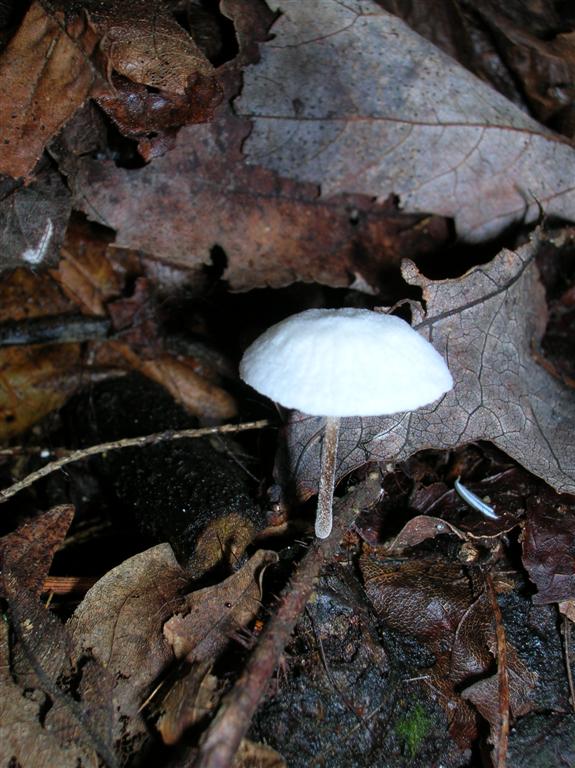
413,729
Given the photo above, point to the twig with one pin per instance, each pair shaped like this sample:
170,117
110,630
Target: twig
66,585
221,740
503,677
128,442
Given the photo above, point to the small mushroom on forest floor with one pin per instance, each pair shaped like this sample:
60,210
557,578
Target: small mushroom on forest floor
344,362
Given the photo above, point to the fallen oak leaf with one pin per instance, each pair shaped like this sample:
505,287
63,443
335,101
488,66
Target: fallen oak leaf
384,112
485,325
201,194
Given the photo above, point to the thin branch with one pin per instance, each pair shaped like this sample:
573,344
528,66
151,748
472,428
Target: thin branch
221,740
66,585
502,675
128,442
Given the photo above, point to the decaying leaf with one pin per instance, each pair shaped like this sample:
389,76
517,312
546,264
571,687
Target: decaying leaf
548,548
273,231
485,324
229,606
40,659
119,624
143,42
23,739
33,220
34,381
192,697
519,48
28,551
195,392
45,76
434,601
199,632
385,112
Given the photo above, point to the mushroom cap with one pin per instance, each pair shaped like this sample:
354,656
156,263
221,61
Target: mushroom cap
345,362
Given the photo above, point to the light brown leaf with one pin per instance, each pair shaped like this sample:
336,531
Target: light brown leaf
384,112
485,324
145,43
45,76
119,623
254,755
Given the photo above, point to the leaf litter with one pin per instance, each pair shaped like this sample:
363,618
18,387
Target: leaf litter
178,652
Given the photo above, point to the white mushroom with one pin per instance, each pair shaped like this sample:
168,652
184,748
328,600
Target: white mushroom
344,362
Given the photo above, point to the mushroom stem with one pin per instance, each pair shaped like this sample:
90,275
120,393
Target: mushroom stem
323,520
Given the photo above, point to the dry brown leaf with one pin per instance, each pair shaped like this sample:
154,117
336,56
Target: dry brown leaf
201,194
199,632
40,659
86,272
143,42
29,550
485,324
24,741
209,617
196,393
119,623
385,112
253,755
191,698
45,76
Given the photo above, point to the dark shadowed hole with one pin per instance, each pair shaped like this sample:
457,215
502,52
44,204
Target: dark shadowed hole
219,258
459,257
212,32
124,151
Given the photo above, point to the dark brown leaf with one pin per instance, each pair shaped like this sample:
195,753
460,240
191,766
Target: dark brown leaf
45,76
42,657
28,551
548,547
485,325
385,112
201,194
